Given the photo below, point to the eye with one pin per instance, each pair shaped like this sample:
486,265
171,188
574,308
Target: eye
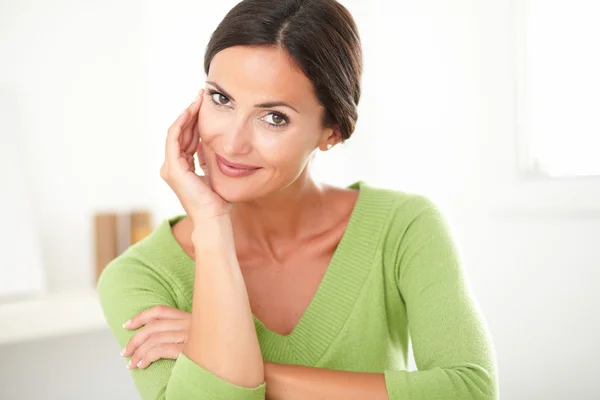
219,99
276,119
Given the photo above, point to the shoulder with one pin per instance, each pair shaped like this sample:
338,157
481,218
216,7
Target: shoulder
417,237
148,268
407,218
401,207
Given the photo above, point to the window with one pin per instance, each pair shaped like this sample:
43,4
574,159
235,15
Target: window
558,87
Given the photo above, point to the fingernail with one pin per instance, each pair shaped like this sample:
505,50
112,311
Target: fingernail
126,324
139,365
122,352
129,364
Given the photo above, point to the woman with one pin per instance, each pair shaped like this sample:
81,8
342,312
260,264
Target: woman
273,285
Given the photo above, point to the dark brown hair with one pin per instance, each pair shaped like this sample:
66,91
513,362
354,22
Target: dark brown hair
320,36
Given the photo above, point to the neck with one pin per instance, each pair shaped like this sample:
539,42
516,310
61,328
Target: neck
281,218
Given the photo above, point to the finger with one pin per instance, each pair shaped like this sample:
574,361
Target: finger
175,164
166,351
189,127
172,148
190,148
185,135
169,351
152,328
156,312
191,163
201,158
195,106
151,349
200,152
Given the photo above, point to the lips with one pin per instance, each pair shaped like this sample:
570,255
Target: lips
235,165
234,170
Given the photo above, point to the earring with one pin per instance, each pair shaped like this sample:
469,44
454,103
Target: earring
329,146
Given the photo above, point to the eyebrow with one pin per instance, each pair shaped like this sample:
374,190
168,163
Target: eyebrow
261,105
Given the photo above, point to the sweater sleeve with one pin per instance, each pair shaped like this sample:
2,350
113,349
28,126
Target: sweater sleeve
452,347
125,288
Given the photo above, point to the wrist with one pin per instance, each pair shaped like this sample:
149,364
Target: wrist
211,233
268,367
270,371
277,386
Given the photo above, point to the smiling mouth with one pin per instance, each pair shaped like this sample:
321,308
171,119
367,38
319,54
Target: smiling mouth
235,165
234,170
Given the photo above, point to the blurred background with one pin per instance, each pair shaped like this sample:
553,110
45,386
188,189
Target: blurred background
488,107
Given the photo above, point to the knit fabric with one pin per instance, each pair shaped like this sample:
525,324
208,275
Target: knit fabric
395,274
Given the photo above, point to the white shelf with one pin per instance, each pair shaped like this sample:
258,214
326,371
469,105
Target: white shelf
50,315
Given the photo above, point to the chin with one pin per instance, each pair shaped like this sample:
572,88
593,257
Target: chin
235,190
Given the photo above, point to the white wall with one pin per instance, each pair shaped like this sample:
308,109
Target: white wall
78,74
104,80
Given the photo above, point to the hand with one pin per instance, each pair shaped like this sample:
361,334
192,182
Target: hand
163,333
178,170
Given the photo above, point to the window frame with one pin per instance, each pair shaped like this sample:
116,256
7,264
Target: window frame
528,166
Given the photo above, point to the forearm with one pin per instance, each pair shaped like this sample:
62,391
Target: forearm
222,335
296,382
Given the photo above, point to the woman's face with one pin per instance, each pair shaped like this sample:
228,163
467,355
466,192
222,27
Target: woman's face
258,110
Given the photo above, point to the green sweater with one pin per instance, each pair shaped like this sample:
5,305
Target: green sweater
396,270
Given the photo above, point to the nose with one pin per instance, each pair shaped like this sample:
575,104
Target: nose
237,139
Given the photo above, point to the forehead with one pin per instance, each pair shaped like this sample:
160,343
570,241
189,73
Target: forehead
261,73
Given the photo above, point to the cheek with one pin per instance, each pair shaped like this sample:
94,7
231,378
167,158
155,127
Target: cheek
209,122
286,154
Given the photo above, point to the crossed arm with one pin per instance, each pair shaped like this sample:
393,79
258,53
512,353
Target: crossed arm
296,382
450,343
233,350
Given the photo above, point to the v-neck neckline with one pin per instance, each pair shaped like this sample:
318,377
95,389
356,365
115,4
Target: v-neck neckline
327,281
336,294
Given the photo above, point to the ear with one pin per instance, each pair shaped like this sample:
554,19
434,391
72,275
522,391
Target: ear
331,136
